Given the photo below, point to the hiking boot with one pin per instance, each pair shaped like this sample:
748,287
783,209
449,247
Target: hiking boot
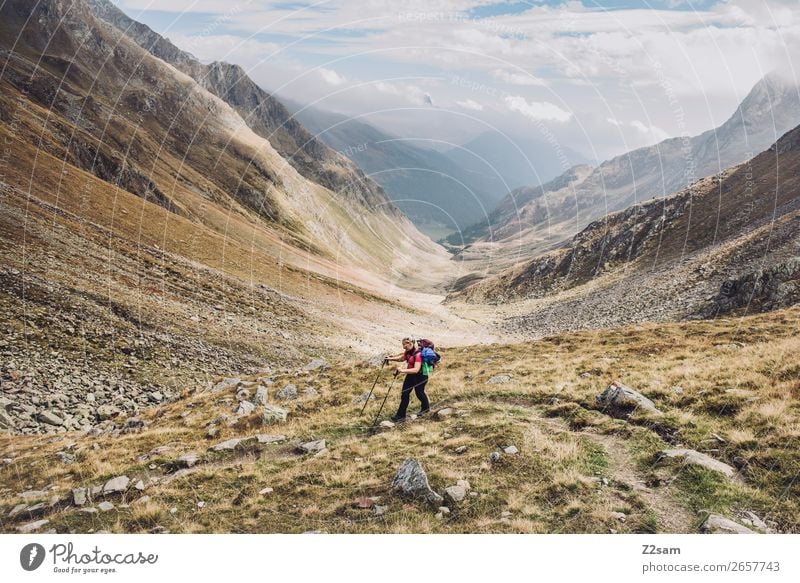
396,419
423,412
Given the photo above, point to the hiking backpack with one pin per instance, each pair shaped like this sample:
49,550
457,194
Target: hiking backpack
430,358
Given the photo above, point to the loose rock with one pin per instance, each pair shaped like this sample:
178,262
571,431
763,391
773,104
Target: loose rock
411,480
621,399
691,456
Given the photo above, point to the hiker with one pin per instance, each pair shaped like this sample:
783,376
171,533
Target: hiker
414,380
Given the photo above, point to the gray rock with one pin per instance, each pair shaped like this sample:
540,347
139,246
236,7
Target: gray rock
229,445
262,396
499,379
310,392
620,398
188,460
263,438
510,450
245,408
716,524
693,457
116,485
495,456
16,510
315,364
105,506
65,457
271,414
106,412
411,480
50,418
379,510
752,520
6,421
461,449
455,493
287,393
89,510
79,496
31,526
619,516
312,446
156,397
442,413
386,424
33,494
226,384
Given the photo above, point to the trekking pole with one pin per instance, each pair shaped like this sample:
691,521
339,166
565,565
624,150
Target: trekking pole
385,360
384,399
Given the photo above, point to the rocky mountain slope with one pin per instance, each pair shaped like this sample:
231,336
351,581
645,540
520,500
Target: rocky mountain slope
535,218
262,113
149,237
729,243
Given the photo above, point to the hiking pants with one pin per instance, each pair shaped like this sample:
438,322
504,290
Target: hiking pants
415,382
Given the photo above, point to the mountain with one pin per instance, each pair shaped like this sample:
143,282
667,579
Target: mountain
727,244
429,187
553,212
511,161
264,114
150,238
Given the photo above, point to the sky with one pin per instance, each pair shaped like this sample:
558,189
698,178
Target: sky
602,77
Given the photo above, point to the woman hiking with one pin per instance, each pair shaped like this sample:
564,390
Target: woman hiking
414,380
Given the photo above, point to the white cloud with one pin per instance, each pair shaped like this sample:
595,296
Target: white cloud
331,77
537,110
470,104
517,78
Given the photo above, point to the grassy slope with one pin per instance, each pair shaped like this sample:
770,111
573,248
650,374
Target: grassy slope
547,411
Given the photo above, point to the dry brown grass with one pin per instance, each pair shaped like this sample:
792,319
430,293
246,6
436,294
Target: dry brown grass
552,485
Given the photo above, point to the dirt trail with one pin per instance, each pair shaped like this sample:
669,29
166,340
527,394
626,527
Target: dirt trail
672,517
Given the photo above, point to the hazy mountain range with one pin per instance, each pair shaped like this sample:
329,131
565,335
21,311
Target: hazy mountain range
536,217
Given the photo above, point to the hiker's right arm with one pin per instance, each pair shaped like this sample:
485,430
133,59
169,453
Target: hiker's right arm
396,358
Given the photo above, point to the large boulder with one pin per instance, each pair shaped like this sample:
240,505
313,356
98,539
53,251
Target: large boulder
621,399
411,480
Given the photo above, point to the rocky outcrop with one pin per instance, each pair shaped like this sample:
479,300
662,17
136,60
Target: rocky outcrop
773,287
